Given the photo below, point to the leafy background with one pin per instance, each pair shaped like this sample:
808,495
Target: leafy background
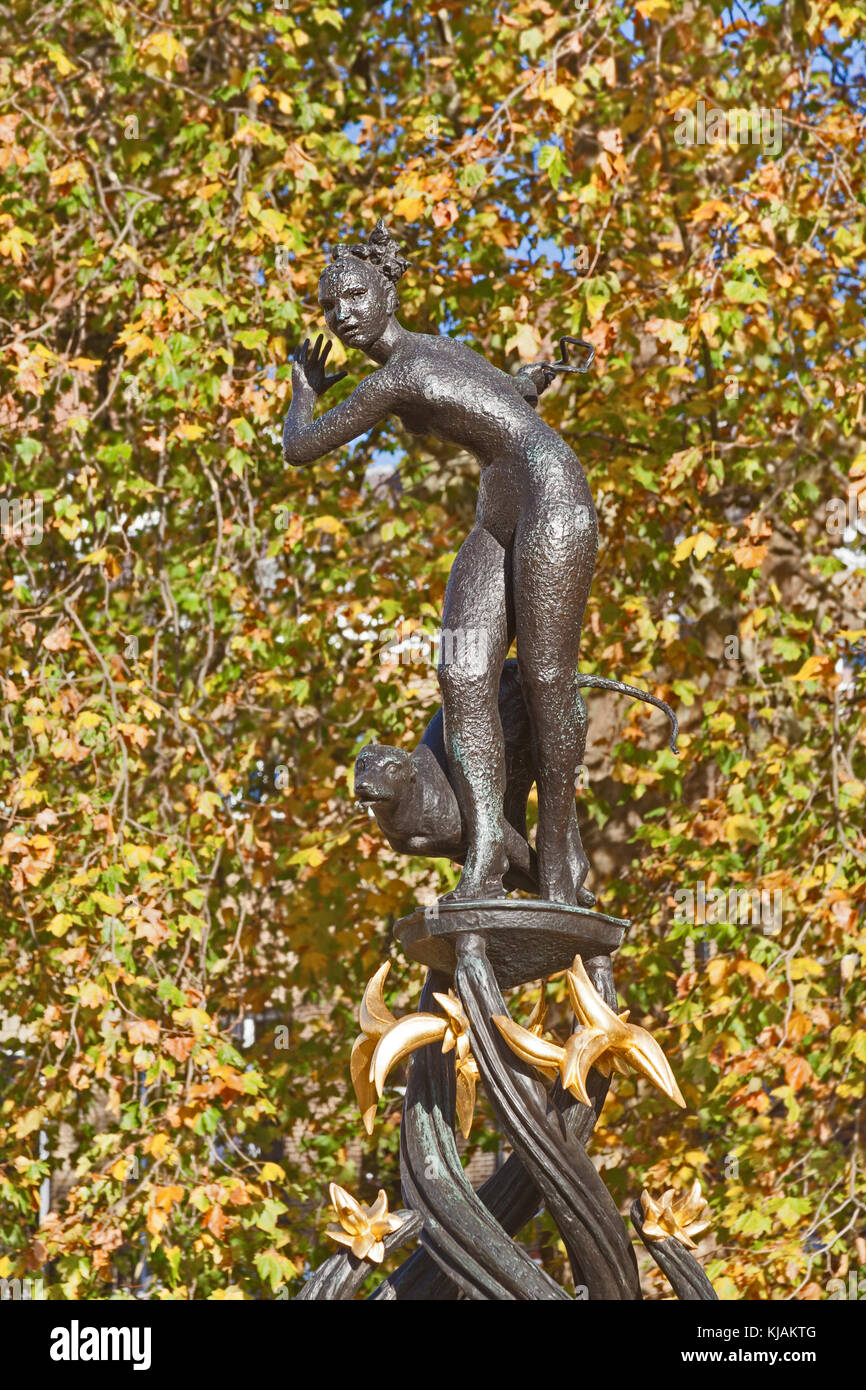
191,904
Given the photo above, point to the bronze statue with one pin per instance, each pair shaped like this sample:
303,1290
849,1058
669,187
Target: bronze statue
524,570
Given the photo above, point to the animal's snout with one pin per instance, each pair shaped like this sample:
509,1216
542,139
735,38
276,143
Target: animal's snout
368,791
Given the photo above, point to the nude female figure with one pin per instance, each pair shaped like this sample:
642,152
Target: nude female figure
524,570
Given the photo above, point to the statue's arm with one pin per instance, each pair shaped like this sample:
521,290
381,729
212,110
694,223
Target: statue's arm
306,439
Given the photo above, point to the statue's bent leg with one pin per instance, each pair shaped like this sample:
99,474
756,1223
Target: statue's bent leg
554,557
475,640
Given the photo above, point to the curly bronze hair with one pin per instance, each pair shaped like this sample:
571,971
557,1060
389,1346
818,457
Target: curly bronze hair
380,249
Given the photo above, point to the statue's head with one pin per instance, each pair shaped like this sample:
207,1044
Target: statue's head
356,291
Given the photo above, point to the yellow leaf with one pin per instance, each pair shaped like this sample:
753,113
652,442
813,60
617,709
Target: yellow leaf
87,719
754,971
208,802
560,97
717,969
742,828
699,544
812,667
802,967
135,855
653,9
110,905
60,924
410,207
71,172
12,244
313,856
60,61
189,431
271,1172
714,207
28,1122
526,340
92,995
165,46
331,525
197,1019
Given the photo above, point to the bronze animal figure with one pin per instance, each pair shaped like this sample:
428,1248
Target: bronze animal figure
414,800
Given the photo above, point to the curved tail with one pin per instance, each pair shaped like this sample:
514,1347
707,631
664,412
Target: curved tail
602,683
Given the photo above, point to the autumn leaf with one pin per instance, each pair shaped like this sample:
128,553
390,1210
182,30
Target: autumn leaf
699,544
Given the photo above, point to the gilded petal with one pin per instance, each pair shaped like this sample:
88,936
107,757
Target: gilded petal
691,1204
579,1054
653,1231
535,1022
385,1226
539,1052
365,1091
412,1032
588,1004
644,1054
362,1245
350,1214
465,1100
451,1005
338,1234
651,1208
376,1252
379,1207
374,1015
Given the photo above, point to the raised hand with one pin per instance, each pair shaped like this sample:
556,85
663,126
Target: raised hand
308,367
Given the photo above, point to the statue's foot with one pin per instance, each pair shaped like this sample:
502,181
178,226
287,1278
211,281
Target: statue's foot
481,878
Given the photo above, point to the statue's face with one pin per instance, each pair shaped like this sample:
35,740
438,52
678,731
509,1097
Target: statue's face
357,301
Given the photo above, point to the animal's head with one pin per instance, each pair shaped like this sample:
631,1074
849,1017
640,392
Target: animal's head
381,773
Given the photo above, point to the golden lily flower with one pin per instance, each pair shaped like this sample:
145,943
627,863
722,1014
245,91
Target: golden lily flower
384,1041
605,1040
362,1228
678,1214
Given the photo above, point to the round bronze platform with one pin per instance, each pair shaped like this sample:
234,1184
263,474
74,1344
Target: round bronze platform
526,939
